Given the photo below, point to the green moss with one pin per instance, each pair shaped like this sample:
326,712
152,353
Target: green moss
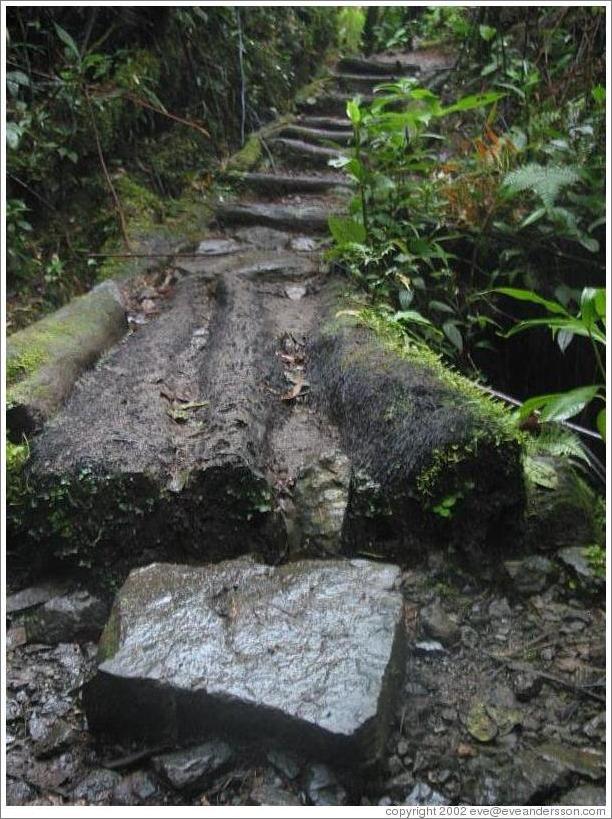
23,363
248,157
17,456
109,641
313,89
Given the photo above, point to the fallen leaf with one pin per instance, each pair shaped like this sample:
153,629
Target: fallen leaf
294,391
569,664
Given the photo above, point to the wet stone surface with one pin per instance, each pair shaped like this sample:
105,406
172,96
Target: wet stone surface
546,749
308,654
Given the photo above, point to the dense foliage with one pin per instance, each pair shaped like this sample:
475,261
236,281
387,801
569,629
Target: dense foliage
108,104
484,202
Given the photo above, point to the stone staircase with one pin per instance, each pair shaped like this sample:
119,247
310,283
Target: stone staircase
244,420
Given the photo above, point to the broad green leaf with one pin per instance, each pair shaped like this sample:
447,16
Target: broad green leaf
588,242
567,404
353,112
538,213
453,335
570,324
588,308
529,295
13,135
487,32
598,93
410,317
601,423
67,40
472,101
346,231
559,406
439,305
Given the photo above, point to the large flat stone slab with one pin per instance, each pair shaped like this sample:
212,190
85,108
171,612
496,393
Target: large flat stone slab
308,655
303,216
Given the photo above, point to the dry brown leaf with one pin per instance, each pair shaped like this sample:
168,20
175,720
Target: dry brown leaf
294,391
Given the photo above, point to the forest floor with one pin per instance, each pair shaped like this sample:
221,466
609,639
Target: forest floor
503,700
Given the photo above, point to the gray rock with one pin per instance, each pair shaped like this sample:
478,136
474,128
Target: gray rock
18,792
269,790
595,728
218,247
531,575
527,780
304,244
527,685
293,216
584,795
575,559
194,768
322,786
71,617
134,789
284,762
321,496
581,761
97,786
309,655
398,786
295,292
499,609
438,625
422,794
33,596
263,238
58,737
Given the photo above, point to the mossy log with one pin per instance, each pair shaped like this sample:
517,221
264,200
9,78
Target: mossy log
435,461
44,360
157,452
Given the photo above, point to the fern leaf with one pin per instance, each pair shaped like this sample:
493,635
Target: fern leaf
545,181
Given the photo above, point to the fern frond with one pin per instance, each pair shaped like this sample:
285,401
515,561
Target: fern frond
546,181
558,442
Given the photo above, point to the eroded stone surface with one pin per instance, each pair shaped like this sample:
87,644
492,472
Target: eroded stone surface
321,497
308,655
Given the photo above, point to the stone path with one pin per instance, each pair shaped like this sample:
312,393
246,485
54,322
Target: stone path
244,420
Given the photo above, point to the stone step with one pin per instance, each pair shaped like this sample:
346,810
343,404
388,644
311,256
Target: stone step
303,154
378,65
310,655
279,184
316,135
330,104
302,217
364,83
327,123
